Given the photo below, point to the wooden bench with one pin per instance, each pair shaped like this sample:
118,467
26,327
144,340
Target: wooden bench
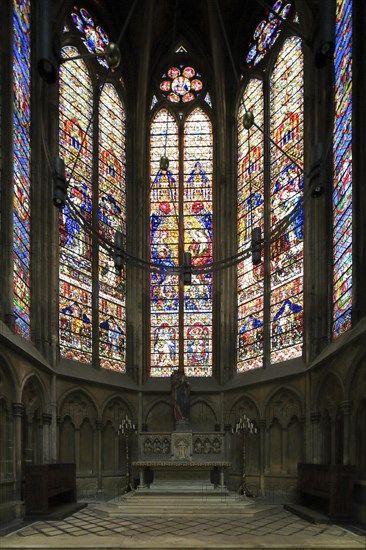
48,486
327,487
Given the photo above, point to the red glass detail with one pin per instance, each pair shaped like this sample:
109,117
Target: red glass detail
165,86
173,72
196,85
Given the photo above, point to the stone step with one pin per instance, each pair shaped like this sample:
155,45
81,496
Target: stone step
137,504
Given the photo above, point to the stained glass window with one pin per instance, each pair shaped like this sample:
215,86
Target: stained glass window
112,216
286,194
93,35
181,84
22,165
342,190
250,215
75,135
197,216
267,32
276,323
181,220
164,235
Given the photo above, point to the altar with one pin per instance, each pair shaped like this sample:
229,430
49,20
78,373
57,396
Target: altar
182,458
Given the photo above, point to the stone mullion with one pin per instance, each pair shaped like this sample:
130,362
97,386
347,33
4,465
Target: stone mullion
7,155
181,244
267,229
95,224
359,161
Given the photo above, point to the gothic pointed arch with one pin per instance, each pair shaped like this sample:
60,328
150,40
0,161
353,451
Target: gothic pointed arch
92,134
181,210
270,191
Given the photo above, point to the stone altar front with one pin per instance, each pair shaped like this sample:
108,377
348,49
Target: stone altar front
182,457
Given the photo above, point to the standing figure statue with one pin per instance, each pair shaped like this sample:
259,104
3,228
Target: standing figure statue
180,394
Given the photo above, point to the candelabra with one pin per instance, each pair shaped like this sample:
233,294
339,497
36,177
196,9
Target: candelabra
245,427
125,428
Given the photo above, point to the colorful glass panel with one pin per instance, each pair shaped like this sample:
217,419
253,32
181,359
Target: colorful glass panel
286,108
112,216
197,207
342,189
181,84
93,36
22,166
267,32
164,235
250,215
75,111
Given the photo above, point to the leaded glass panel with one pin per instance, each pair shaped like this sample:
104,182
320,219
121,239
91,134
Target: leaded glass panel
250,214
286,265
75,136
342,188
112,217
164,235
197,207
22,165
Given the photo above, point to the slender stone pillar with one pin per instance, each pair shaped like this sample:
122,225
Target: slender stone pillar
58,427
262,455
315,419
284,461
346,408
18,411
46,420
99,428
53,429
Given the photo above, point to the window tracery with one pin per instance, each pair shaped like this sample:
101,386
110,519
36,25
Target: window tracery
275,325
181,220
87,273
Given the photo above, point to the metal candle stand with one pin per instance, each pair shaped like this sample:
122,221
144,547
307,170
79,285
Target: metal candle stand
245,427
125,428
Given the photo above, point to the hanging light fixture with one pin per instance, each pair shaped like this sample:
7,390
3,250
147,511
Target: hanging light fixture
164,163
248,120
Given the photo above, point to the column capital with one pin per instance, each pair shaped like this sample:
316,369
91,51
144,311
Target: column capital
18,409
315,417
262,423
99,425
47,419
346,407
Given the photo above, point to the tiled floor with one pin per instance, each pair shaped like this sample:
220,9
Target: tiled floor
271,528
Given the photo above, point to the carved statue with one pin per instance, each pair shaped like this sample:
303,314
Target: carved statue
180,394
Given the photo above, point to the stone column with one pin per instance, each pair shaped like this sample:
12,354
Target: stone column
262,455
18,411
99,428
346,408
46,420
284,452
77,448
316,455
53,430
142,484
58,424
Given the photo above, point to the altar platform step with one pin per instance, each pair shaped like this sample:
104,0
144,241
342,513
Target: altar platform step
179,487
208,504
